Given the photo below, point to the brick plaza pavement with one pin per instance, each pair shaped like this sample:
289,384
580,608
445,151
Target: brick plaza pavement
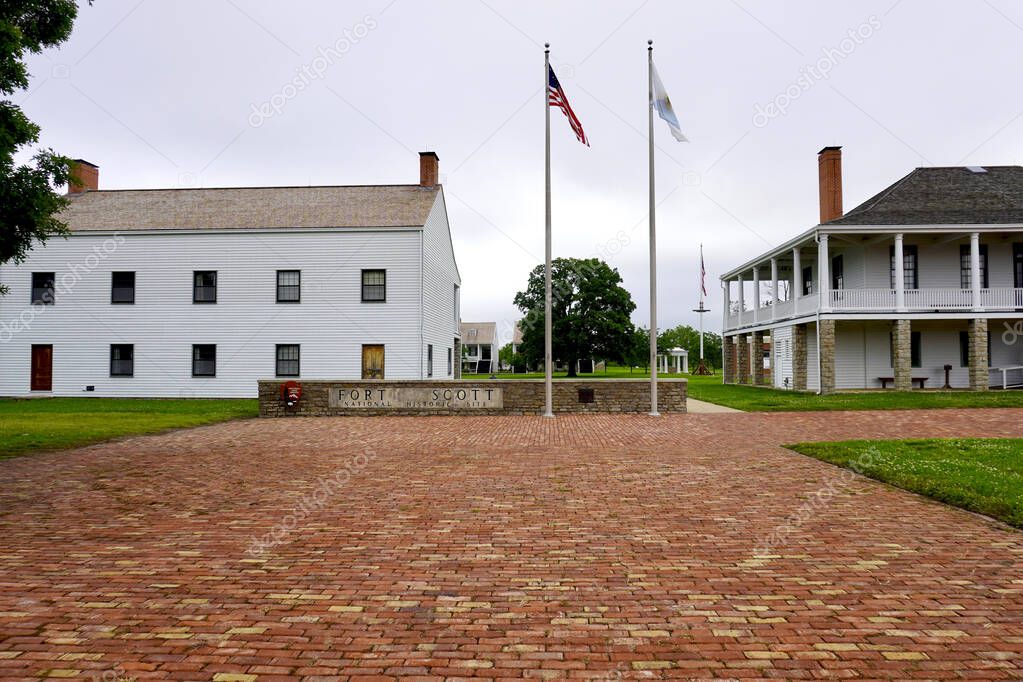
590,546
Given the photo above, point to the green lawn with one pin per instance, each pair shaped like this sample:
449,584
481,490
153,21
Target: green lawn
54,423
759,399
755,399
984,475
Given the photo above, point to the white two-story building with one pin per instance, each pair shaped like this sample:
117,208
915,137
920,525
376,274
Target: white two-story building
200,292
921,282
479,347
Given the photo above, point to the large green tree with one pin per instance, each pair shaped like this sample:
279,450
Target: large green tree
590,312
29,203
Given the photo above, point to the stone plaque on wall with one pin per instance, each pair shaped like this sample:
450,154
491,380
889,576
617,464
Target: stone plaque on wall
412,398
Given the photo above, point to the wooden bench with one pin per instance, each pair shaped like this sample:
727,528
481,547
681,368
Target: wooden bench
920,381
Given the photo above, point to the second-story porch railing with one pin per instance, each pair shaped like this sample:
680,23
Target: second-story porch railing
935,298
866,300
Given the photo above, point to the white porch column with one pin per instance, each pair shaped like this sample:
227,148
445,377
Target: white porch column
975,281
824,272
797,274
774,288
685,363
900,275
742,297
727,307
756,293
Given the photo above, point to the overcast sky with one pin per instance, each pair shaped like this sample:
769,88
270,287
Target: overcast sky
174,94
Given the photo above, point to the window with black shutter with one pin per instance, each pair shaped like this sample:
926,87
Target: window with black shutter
122,287
122,360
966,269
374,286
289,286
204,286
837,273
909,270
204,360
42,288
288,359
808,280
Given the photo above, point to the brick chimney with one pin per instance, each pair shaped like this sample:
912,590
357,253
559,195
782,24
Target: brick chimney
829,171
84,177
429,169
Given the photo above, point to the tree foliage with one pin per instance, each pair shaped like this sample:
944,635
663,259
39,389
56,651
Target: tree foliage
590,313
638,353
508,357
29,203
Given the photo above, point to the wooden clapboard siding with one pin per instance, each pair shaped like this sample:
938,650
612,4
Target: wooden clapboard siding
331,323
440,275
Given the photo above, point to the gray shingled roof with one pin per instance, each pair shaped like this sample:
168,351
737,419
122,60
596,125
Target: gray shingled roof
945,196
250,207
485,332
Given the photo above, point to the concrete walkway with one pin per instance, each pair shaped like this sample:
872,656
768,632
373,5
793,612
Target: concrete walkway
701,407
692,546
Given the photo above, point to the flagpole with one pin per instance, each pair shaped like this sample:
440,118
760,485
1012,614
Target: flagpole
701,368
702,285
547,343
653,234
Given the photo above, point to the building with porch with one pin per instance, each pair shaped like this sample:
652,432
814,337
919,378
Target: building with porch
919,286
479,347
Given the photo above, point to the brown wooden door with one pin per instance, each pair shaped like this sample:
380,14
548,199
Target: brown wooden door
42,368
372,362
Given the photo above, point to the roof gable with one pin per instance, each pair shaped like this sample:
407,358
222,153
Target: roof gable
477,332
250,208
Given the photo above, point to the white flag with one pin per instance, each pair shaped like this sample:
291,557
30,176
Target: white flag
663,106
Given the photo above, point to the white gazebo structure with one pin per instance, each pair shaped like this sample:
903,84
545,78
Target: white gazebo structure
681,357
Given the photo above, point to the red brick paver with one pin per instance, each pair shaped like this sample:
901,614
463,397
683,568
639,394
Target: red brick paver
598,546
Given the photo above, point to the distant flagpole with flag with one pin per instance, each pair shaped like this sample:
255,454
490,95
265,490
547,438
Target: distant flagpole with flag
703,278
555,96
701,368
657,100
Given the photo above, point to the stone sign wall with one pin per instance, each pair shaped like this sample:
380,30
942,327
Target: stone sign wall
469,397
362,398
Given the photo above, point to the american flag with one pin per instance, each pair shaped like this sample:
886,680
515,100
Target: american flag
703,275
556,98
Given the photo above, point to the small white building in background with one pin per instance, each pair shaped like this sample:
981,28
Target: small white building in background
479,347
200,292
925,275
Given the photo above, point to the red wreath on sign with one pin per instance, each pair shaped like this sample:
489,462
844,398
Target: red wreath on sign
291,393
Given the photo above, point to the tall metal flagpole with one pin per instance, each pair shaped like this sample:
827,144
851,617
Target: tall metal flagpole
653,235
701,302
701,368
547,344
